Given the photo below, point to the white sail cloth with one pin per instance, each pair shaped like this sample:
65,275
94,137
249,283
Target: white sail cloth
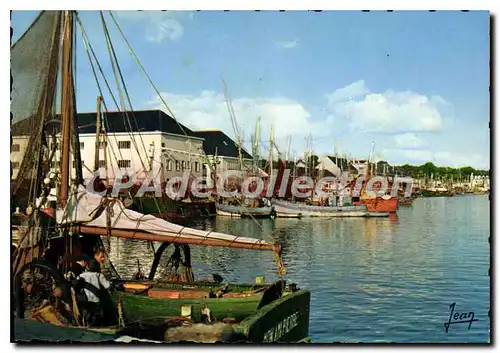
82,208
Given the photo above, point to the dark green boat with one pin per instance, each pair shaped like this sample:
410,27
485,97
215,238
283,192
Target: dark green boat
173,312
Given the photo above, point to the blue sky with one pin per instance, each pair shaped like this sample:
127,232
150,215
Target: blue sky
415,83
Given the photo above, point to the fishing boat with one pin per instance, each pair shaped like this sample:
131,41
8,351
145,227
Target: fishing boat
372,199
172,309
174,210
251,208
383,204
287,209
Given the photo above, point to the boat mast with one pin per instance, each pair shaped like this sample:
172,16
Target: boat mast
233,121
97,134
66,105
271,145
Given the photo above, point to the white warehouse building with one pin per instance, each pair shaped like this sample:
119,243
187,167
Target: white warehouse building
153,141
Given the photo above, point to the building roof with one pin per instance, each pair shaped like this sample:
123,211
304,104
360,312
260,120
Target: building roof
216,139
140,121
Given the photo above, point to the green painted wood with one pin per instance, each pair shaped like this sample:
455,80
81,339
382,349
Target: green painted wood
141,307
284,320
199,285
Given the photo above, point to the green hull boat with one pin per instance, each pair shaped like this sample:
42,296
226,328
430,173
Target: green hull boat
263,314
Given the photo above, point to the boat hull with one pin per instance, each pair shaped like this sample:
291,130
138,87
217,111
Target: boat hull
285,209
379,205
243,211
256,319
172,210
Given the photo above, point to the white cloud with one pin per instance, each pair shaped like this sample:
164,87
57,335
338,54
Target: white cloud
410,141
208,110
287,44
388,112
158,26
349,92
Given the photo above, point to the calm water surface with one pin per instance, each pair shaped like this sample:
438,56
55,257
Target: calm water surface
371,280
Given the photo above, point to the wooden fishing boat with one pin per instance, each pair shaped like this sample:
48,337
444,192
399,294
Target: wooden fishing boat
287,209
173,210
185,311
239,211
380,205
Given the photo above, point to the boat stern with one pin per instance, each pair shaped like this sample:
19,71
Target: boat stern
283,320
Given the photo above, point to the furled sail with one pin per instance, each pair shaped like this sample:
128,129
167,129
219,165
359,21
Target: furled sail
95,214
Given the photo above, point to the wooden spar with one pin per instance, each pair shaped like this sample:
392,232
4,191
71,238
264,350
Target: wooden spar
66,106
175,238
97,134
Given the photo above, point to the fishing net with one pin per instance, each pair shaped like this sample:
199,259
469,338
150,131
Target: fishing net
34,70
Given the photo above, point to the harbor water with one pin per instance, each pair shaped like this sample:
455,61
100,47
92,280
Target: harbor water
372,280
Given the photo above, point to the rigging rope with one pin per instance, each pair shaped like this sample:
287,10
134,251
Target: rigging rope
117,73
114,100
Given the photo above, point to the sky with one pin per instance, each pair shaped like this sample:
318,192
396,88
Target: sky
415,83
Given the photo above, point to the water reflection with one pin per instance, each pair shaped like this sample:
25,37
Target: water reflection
371,279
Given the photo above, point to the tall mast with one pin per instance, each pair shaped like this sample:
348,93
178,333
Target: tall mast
97,134
289,145
256,144
66,105
233,121
271,145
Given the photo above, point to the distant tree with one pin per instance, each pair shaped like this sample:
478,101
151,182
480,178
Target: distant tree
428,169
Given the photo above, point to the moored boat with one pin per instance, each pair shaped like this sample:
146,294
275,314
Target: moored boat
381,204
247,312
238,211
287,209
173,210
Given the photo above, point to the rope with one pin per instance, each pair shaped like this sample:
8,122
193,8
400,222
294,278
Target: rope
117,72
112,96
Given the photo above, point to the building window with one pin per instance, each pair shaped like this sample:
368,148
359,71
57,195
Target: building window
169,164
74,164
102,164
124,145
124,163
15,165
183,163
102,144
55,164
16,147
82,145
177,165
196,166
163,144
